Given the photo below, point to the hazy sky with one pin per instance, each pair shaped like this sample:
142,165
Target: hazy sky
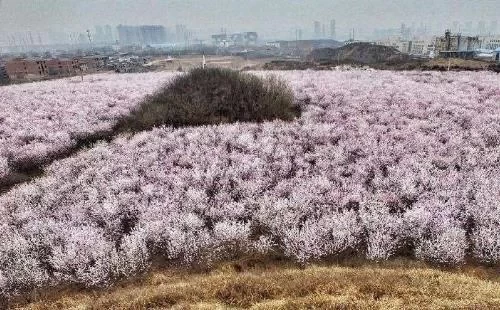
271,18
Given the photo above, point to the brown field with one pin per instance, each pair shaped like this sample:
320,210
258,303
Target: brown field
260,284
194,61
458,63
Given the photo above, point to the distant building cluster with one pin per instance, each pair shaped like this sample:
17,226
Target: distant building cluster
413,47
449,45
235,39
26,49
21,69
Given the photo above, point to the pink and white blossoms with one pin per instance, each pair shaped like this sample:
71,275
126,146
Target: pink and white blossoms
38,120
380,163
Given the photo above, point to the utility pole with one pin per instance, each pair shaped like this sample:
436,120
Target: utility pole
90,37
297,41
90,41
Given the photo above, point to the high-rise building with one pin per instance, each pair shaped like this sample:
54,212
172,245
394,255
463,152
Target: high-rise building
99,34
405,32
468,28
153,34
317,29
128,35
333,29
481,28
108,34
145,35
493,27
180,33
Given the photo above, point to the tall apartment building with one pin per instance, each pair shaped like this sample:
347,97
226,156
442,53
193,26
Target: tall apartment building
333,29
481,28
144,35
181,33
317,29
298,34
493,28
405,32
99,34
108,33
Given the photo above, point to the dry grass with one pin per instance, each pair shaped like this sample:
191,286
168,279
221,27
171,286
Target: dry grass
264,285
458,63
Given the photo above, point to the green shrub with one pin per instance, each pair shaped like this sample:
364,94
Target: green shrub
213,96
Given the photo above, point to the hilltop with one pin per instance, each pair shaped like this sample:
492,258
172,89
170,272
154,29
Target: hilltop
358,53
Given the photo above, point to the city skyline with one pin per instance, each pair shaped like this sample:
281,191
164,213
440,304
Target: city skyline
279,19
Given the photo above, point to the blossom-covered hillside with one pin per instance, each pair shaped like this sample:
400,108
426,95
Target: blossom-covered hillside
379,164
38,120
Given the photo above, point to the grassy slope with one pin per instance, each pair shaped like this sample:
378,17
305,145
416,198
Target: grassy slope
266,285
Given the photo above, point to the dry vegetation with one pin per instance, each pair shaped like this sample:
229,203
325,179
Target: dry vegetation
261,284
454,63
214,96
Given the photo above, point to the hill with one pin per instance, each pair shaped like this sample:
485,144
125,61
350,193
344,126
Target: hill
358,53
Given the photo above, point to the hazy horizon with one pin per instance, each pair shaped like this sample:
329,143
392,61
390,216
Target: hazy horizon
271,19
